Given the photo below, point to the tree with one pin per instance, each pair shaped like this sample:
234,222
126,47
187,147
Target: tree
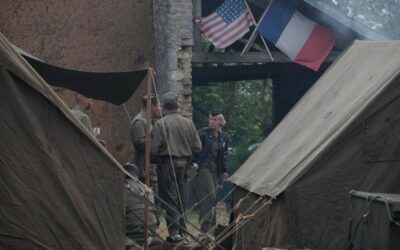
247,107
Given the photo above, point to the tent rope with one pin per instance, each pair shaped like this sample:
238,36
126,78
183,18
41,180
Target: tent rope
195,205
214,207
151,229
127,113
244,220
163,213
169,151
226,232
233,223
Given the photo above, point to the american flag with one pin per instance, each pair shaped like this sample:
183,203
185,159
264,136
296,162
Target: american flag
227,24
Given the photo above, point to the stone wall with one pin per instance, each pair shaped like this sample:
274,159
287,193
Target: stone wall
100,36
173,22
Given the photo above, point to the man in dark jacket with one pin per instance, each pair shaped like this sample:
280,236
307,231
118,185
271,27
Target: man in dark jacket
175,140
213,169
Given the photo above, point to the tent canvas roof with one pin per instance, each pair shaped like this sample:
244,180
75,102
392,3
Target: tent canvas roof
324,113
59,188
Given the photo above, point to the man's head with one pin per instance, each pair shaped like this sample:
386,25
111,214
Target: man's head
132,169
170,101
216,120
155,104
84,102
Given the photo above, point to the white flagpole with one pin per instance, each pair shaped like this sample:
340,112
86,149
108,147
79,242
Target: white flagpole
254,34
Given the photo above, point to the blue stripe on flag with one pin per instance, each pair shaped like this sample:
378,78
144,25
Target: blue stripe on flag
231,10
276,19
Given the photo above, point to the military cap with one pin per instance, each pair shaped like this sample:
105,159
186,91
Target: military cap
131,168
170,100
153,99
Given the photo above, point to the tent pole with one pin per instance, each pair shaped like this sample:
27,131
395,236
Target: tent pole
147,159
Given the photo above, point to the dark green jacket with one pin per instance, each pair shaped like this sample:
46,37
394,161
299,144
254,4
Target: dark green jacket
205,135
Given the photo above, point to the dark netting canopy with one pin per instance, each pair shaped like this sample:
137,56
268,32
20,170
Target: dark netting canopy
116,87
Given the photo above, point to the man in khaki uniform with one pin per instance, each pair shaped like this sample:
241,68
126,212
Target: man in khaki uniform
83,105
175,141
138,137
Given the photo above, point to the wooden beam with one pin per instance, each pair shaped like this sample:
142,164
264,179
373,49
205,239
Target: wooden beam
206,75
196,31
250,57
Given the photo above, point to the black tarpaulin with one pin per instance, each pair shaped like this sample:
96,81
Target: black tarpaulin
116,87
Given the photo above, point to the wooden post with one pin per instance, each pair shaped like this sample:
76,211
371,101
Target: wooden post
196,30
254,34
147,155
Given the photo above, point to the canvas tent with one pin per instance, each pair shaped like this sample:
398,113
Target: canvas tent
342,135
59,187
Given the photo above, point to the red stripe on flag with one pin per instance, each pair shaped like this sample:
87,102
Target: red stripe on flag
233,37
317,47
205,29
229,29
209,18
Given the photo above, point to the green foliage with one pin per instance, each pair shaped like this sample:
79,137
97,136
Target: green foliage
247,107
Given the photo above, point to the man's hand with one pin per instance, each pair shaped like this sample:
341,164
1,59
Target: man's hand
225,176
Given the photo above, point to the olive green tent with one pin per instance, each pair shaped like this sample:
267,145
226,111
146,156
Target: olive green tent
59,188
343,134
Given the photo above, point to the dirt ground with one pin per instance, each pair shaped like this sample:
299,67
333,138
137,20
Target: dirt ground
193,218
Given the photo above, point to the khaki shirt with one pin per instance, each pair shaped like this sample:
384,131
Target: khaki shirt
180,133
83,117
138,137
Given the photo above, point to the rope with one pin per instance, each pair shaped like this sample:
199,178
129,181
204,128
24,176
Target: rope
244,220
191,208
364,214
214,207
161,212
151,229
239,219
127,114
169,151
233,223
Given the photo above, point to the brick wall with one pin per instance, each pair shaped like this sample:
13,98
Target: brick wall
101,36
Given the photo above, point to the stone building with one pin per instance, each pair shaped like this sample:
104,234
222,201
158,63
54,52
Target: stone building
108,36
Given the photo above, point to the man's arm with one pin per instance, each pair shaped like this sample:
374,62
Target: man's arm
157,140
225,156
86,122
138,135
197,144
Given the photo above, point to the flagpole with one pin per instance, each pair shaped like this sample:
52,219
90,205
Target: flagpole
147,155
254,34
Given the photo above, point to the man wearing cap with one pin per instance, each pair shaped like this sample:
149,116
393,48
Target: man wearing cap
175,140
138,137
83,105
134,226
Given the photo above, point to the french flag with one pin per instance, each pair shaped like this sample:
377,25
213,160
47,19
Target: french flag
301,39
